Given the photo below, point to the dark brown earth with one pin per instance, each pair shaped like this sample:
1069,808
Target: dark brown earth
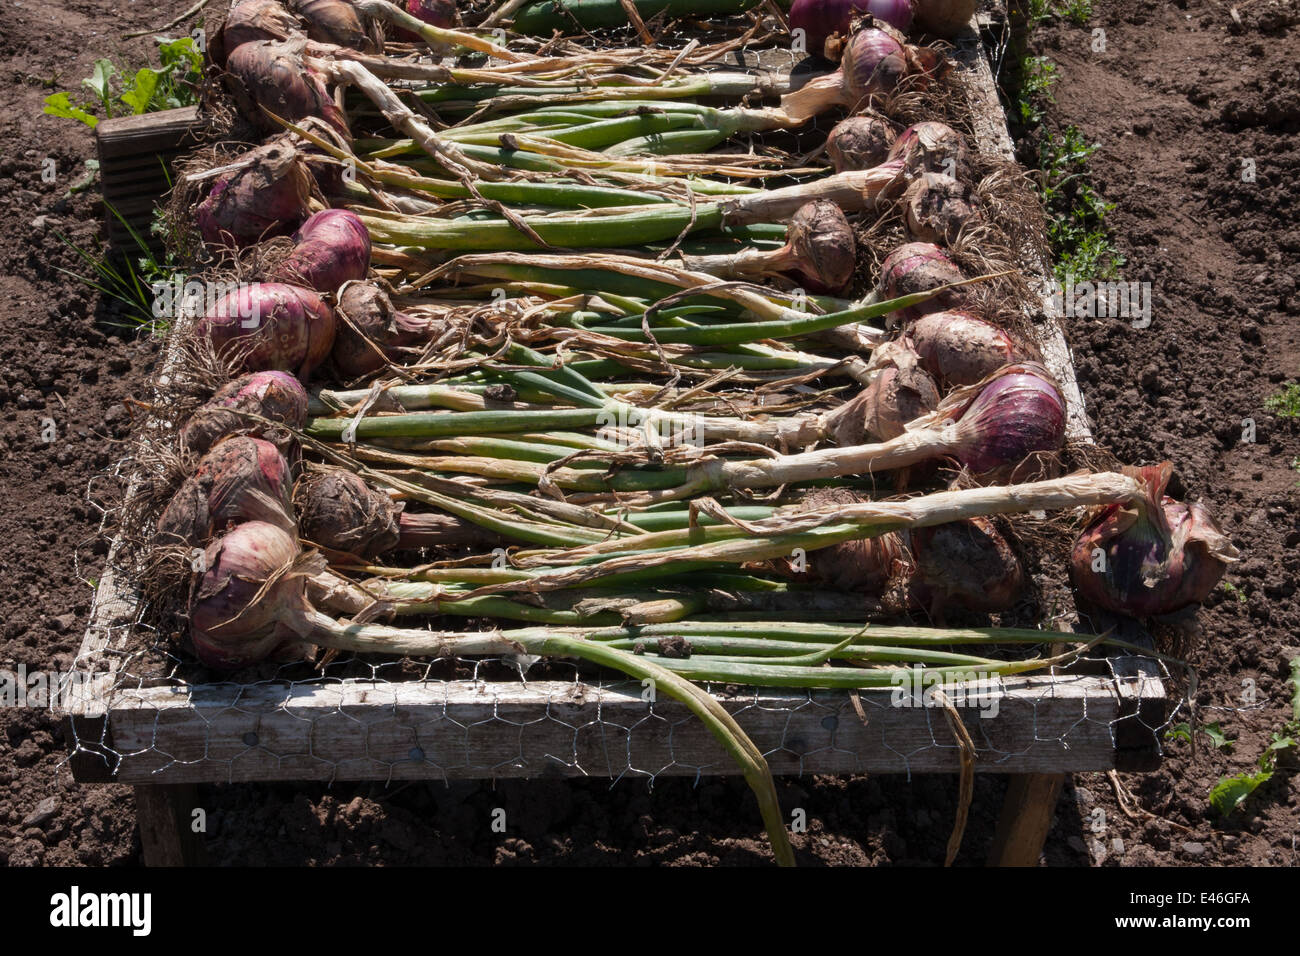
1181,96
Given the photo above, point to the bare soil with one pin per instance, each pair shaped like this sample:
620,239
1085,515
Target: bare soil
1179,99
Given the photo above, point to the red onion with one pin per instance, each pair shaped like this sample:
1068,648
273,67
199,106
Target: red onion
277,396
965,564
820,18
820,246
339,511
901,392
932,147
271,325
1017,412
937,207
873,63
959,349
252,20
943,18
368,308
1151,556
265,195
860,565
333,247
249,603
270,74
859,142
241,479
920,267
333,21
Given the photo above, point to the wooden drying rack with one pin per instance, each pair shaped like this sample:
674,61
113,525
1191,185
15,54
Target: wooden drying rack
164,740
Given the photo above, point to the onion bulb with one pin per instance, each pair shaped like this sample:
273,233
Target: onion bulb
252,20
241,479
332,247
958,348
859,142
266,194
339,511
271,74
920,267
271,325
965,564
1016,412
900,392
370,314
943,18
277,396
937,207
1151,556
249,603
333,21
932,147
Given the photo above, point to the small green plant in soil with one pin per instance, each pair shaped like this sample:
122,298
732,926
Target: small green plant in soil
125,92
1286,403
1230,793
1217,737
130,277
1078,12
1235,592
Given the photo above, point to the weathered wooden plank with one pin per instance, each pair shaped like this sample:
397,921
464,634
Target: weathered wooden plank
1027,813
147,133
364,730
163,814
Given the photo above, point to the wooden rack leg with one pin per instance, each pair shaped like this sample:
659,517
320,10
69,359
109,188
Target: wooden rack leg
164,814
1027,814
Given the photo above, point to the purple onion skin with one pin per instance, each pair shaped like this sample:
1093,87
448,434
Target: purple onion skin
271,326
820,18
873,63
252,20
920,267
277,396
1019,412
333,247
859,142
267,197
241,479
271,74
1159,555
437,13
233,622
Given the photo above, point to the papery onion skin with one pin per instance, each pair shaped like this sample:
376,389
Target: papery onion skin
241,479
333,21
822,243
899,393
920,267
271,326
266,196
1152,556
271,74
820,18
873,64
277,396
932,147
959,348
369,309
965,564
339,511
1017,414
859,142
860,565
332,247
252,20
936,208
246,605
